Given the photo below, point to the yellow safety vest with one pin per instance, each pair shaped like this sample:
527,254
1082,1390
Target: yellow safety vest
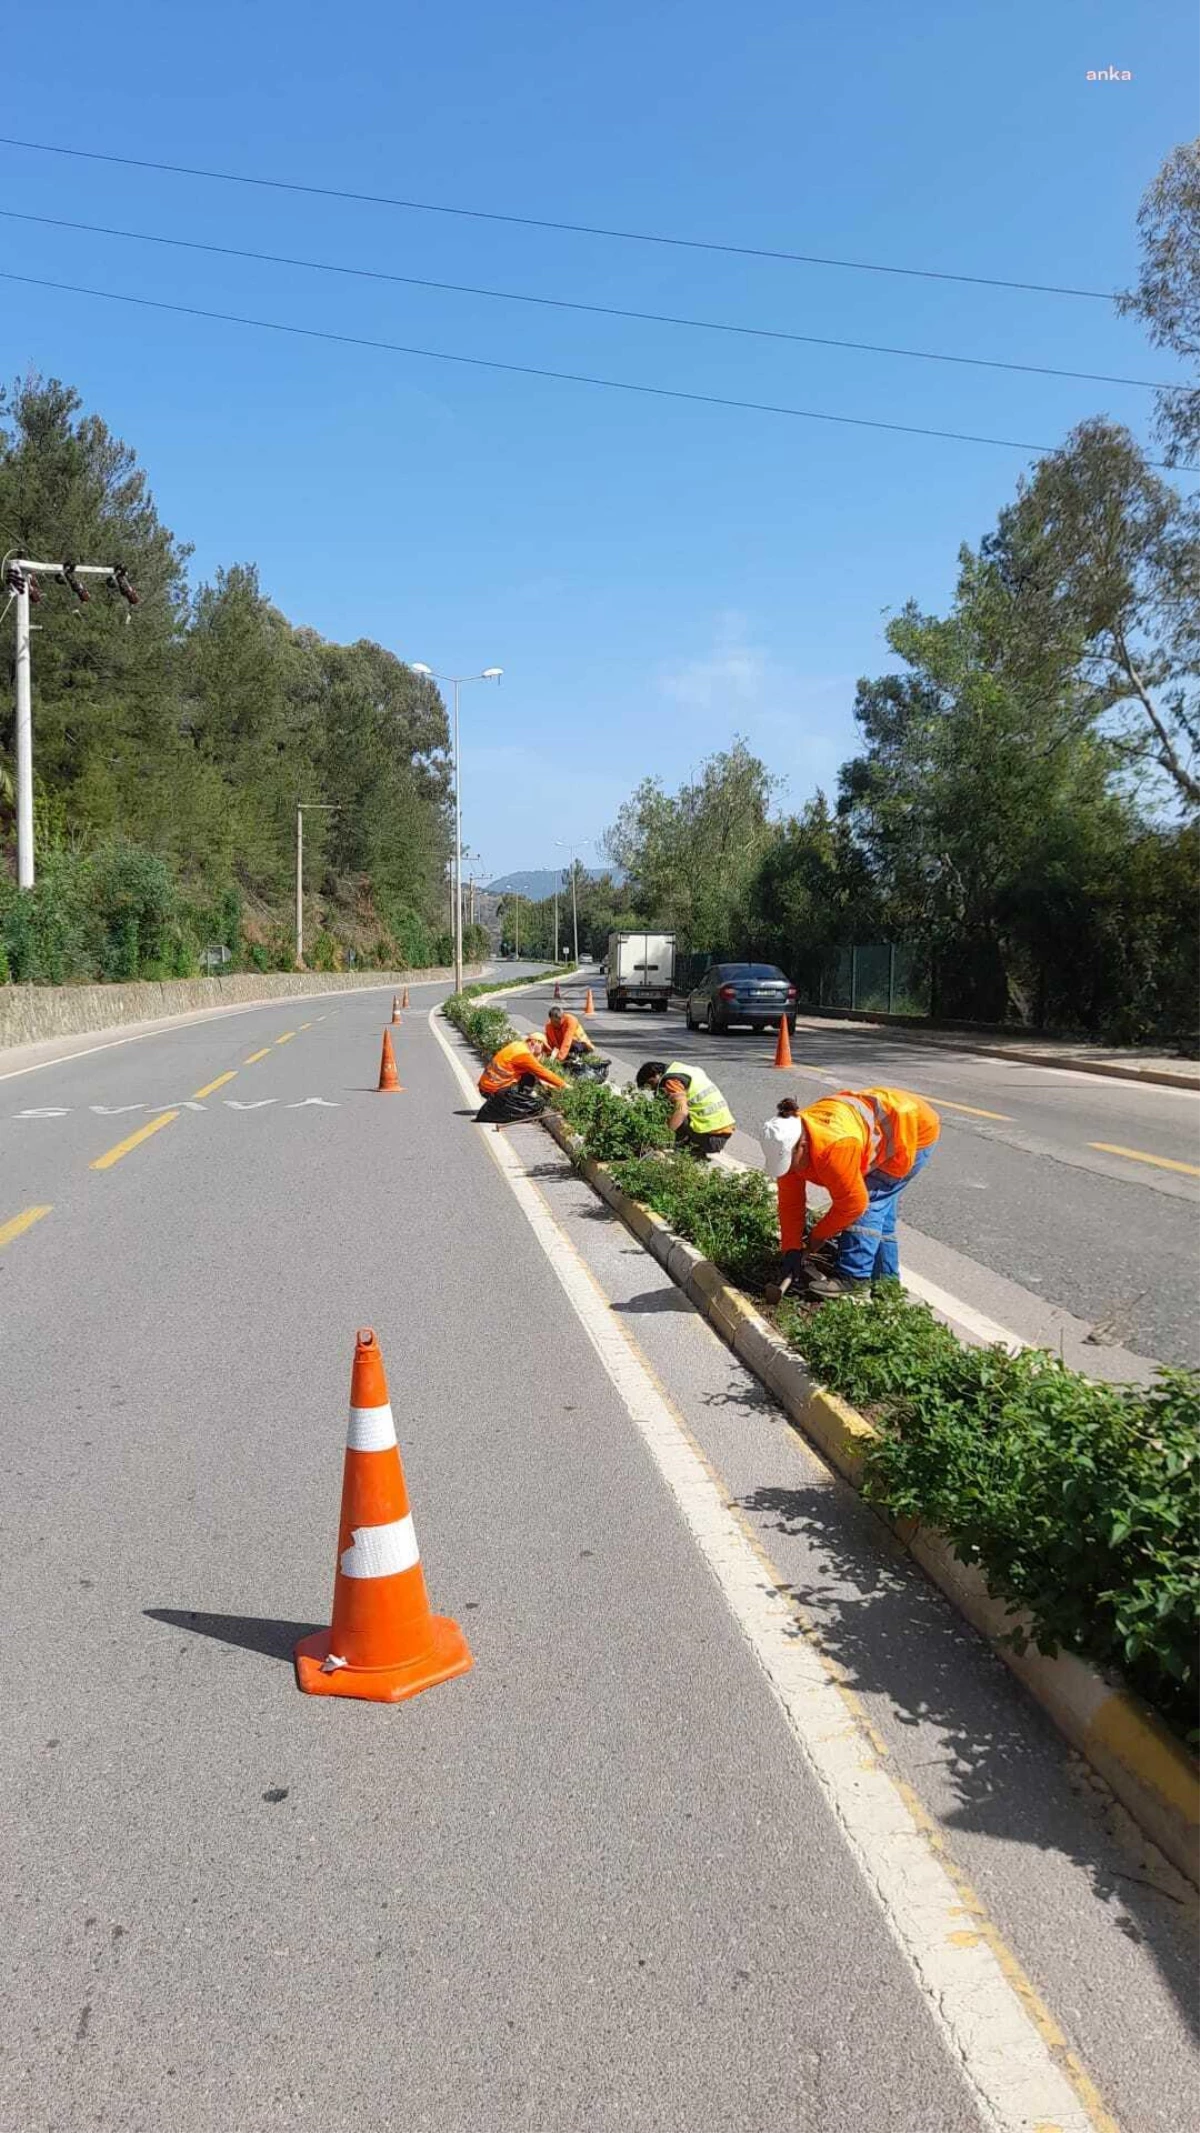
708,1111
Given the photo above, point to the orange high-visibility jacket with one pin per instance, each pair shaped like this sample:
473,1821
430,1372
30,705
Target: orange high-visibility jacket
855,1132
560,1036
510,1063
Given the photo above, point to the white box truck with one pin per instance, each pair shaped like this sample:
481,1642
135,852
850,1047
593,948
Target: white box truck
639,969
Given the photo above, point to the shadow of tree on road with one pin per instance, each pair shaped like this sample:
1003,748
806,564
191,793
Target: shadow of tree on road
1009,1774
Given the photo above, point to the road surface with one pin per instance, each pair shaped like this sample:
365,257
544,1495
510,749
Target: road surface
733,1825
1061,1205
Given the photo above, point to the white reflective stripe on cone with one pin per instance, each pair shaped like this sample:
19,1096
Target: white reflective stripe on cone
371,1430
381,1551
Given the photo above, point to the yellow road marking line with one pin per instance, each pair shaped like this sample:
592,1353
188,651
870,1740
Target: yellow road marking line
1138,1155
286,1037
306,1025
256,1055
942,1103
219,1083
113,1155
20,1223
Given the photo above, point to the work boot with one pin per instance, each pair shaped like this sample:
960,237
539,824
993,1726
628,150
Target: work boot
828,1288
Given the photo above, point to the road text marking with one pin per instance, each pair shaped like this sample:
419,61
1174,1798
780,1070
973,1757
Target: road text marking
255,1056
219,1083
1138,1155
999,2033
105,1162
20,1223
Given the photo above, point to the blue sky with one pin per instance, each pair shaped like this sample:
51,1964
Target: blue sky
651,576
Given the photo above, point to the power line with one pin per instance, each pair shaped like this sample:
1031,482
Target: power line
529,370
541,222
563,303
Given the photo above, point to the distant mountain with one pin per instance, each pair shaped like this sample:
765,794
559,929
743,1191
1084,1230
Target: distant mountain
536,882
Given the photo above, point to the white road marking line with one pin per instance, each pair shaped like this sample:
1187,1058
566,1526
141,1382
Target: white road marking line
1008,2047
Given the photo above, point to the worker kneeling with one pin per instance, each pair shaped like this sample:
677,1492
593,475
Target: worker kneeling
512,1083
863,1147
569,1046
701,1120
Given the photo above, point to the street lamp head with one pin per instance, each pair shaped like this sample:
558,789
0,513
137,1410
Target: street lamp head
492,673
416,667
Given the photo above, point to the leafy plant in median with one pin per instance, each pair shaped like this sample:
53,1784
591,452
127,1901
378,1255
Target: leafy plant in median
1080,1502
613,1124
728,1215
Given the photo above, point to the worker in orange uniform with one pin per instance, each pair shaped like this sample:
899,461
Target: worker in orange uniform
510,1083
864,1147
563,1033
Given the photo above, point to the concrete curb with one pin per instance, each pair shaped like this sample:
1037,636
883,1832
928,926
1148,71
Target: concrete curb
1150,1771
30,1014
1159,1077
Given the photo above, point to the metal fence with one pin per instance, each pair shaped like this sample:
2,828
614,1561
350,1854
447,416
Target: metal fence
878,978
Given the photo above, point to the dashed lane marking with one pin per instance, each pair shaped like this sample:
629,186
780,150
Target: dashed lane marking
18,1224
286,1037
942,1103
219,1083
113,1155
1138,1155
256,1056
999,2033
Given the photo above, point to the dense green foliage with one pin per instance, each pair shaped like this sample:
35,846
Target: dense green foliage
728,1216
173,743
613,1124
1080,1502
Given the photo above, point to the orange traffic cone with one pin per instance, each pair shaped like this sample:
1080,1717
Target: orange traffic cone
388,1077
589,1005
557,990
384,1644
404,1001
783,1048
395,1007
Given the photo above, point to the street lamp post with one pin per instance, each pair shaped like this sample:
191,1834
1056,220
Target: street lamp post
456,682
323,807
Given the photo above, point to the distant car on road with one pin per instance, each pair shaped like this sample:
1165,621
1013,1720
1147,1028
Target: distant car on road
757,993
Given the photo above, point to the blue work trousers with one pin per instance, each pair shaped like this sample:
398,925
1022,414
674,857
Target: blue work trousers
868,1251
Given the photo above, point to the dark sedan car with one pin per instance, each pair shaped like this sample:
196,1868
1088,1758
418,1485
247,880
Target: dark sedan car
757,993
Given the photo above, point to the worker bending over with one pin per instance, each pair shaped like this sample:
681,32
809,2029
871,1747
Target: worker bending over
863,1148
564,1034
510,1083
701,1120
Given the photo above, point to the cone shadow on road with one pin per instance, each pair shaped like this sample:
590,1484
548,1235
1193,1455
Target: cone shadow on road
252,1633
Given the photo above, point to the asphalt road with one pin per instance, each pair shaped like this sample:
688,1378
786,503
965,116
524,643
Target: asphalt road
599,1883
1026,1212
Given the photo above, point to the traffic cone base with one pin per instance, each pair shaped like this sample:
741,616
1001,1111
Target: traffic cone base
389,1079
383,1643
446,1657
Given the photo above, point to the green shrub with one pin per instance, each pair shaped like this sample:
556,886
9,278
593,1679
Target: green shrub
1079,1501
730,1216
613,1124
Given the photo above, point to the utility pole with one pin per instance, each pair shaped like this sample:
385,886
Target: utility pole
21,576
516,926
322,807
556,919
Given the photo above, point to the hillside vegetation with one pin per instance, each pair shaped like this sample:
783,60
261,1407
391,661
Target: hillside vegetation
172,744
